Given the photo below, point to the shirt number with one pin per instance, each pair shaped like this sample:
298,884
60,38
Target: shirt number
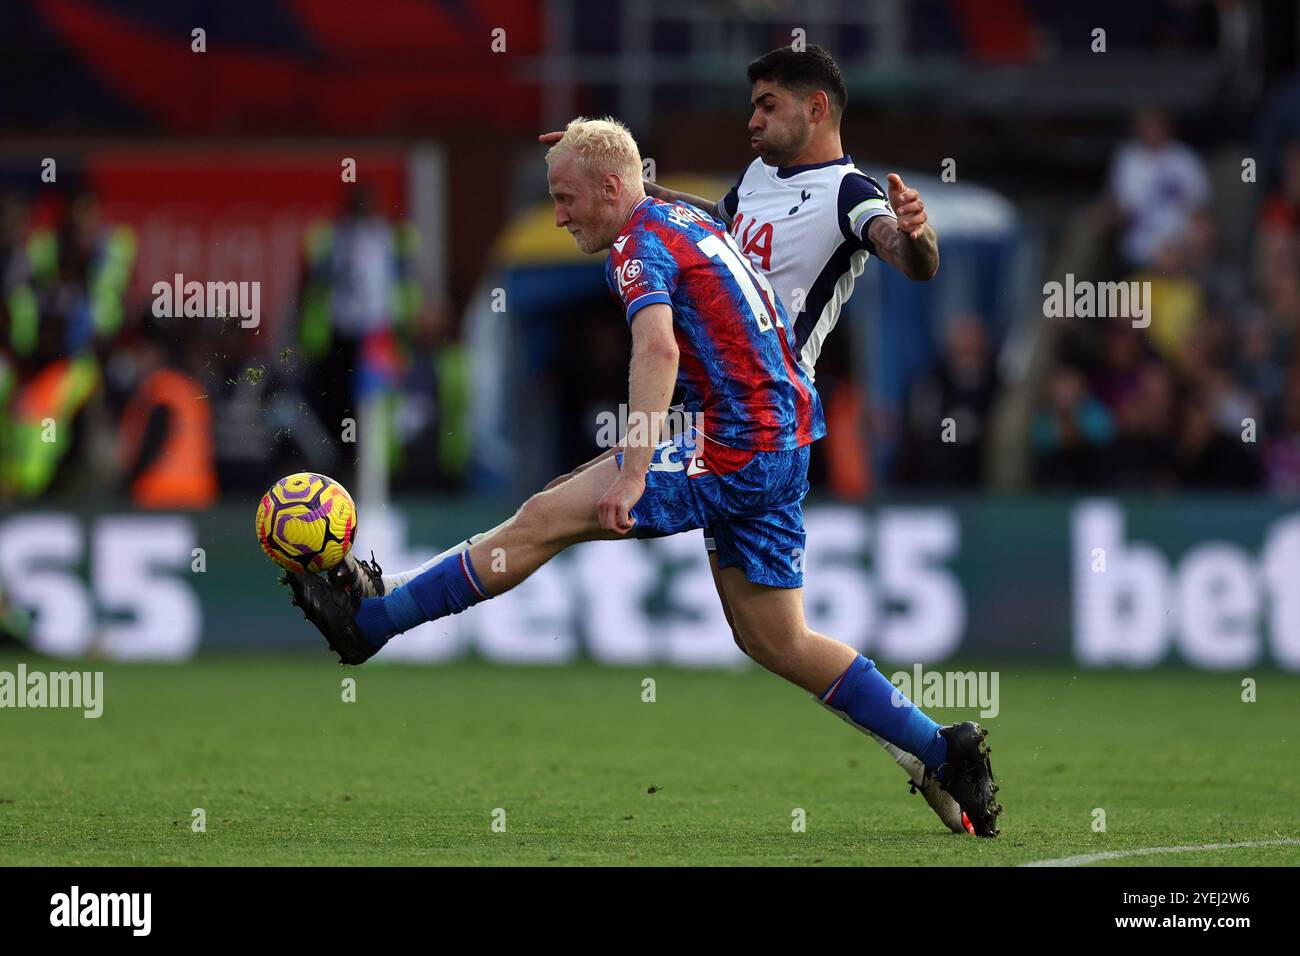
716,247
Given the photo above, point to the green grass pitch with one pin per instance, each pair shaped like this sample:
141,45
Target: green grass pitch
587,773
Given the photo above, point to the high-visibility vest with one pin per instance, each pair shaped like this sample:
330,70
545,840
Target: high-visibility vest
30,451
183,474
109,275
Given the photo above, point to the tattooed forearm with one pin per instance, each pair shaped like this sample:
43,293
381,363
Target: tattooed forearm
918,258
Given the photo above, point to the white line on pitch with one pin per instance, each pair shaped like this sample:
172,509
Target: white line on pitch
1086,858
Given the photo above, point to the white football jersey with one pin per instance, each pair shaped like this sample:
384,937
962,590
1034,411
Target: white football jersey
805,227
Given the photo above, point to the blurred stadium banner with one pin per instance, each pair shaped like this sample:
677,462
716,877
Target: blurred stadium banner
1203,581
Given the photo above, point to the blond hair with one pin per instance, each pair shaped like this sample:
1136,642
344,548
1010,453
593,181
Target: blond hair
601,146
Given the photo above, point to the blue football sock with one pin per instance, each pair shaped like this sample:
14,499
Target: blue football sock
446,588
866,698
374,622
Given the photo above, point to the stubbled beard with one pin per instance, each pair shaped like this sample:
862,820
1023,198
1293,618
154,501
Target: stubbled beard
588,241
784,158
782,153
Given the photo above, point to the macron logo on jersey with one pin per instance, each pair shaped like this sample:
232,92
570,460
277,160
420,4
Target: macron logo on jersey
619,243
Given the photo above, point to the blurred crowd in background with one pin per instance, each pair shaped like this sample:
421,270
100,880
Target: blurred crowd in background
1207,395
103,395
180,412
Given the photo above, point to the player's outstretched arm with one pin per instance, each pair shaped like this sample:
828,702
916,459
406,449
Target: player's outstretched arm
651,380
908,243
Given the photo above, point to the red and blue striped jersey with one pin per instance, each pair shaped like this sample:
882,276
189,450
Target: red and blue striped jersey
739,369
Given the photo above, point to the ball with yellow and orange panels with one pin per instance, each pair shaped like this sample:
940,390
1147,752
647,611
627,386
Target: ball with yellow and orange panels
306,522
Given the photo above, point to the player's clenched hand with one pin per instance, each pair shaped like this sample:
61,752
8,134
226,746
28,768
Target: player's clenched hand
615,507
908,207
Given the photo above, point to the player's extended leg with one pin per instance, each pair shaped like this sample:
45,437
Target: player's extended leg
771,623
353,574
944,806
545,525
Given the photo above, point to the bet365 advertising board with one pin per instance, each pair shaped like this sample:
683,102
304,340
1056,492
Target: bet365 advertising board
1210,583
